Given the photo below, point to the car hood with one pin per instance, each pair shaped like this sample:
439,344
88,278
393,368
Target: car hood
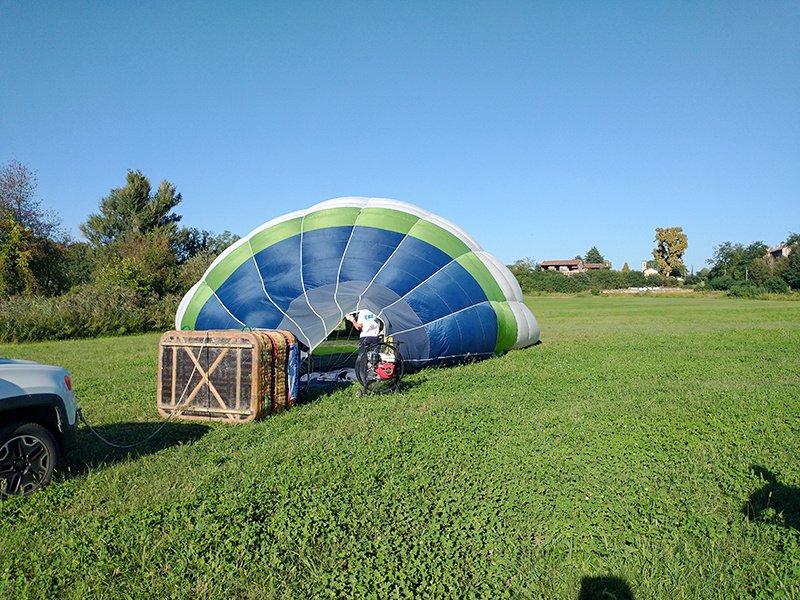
16,361
12,365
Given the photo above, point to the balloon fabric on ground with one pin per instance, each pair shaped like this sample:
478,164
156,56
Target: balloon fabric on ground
439,295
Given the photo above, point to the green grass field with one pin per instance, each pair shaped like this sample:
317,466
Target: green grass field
654,440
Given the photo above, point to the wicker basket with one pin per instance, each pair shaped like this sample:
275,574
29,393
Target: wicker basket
233,376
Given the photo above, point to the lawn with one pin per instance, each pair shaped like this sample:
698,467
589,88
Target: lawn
651,441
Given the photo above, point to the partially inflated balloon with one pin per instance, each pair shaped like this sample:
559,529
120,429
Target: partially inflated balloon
439,296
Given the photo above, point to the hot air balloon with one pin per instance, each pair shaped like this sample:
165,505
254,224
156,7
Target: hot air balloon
440,297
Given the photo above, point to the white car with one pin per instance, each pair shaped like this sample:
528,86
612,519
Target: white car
38,419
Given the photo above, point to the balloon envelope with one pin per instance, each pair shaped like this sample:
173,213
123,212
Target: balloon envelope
438,294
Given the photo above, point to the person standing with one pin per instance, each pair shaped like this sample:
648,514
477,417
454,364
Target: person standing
368,324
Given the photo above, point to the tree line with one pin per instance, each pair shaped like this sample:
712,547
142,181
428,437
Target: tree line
747,270
127,276
741,270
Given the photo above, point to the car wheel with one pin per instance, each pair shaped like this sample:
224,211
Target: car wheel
28,456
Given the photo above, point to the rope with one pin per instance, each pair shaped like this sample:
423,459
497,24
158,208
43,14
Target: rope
158,430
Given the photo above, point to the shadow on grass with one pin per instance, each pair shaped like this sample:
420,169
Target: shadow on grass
90,453
318,389
604,587
775,503
314,392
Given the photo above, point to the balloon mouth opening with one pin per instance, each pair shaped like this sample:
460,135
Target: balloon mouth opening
332,362
337,352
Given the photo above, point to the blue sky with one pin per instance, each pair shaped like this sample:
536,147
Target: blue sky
540,128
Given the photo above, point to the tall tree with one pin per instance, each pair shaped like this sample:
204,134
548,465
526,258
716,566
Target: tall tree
143,261
625,268
197,249
18,198
594,256
735,260
17,253
31,260
133,209
190,242
765,268
671,244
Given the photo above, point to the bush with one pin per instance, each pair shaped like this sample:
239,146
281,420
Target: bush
193,269
532,279
777,285
744,289
659,280
722,282
605,279
142,261
656,280
693,280
85,311
635,279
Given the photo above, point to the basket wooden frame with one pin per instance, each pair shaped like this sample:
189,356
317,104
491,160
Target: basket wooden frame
247,406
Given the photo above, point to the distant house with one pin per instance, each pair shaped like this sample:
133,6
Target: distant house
648,269
570,266
562,266
779,251
593,266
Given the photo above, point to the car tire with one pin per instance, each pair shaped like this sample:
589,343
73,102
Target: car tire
28,457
